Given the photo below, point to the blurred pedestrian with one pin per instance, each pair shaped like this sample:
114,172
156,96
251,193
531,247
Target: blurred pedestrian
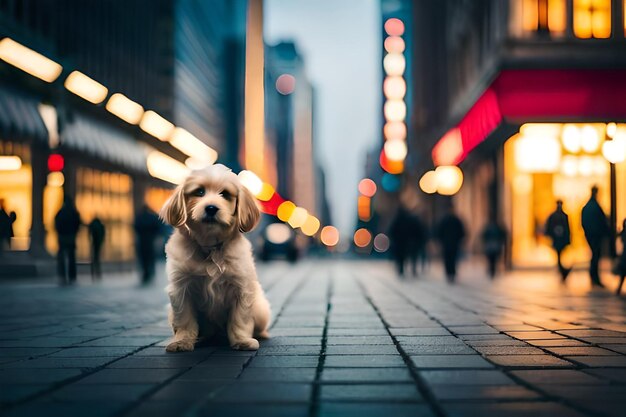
621,265
493,239
596,228
147,228
67,223
97,233
5,228
407,235
557,229
450,232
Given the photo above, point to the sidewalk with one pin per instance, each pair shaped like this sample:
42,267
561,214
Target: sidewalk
348,338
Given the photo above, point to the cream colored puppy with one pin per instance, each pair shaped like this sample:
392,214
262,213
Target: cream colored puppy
212,278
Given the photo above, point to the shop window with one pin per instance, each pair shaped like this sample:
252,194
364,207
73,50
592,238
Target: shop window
156,197
592,19
108,196
16,190
544,16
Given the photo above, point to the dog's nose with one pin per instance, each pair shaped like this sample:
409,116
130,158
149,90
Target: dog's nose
211,210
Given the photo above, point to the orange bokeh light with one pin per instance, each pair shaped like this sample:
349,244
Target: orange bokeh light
329,235
394,27
392,167
367,187
364,208
362,238
449,149
394,87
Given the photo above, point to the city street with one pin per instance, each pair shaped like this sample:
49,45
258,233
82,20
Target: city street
348,338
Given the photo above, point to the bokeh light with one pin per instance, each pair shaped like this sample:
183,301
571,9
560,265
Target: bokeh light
395,150
391,183
56,162
394,27
590,140
285,210
428,182
55,179
278,233
394,130
394,44
364,208
394,64
394,87
329,236
367,187
362,238
286,84
571,138
449,179
395,110
392,167
298,217
251,181
381,243
266,193
569,165
310,226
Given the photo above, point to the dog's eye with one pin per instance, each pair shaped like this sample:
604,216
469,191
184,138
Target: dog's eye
198,192
225,194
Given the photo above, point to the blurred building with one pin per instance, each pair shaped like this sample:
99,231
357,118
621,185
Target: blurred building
526,96
182,59
289,119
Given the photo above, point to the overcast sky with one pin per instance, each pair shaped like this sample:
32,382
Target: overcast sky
340,42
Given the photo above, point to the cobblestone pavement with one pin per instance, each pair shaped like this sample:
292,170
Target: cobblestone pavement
348,338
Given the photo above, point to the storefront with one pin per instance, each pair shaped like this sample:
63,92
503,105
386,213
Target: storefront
23,137
533,137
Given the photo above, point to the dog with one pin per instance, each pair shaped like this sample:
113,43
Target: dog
213,284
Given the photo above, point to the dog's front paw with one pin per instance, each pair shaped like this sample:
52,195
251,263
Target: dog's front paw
246,344
184,345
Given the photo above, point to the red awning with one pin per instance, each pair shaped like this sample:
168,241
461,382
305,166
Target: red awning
521,96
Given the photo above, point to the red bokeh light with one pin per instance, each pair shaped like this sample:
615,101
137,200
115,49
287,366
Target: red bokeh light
286,84
392,167
394,27
56,162
367,187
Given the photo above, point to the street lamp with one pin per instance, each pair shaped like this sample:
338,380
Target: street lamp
614,151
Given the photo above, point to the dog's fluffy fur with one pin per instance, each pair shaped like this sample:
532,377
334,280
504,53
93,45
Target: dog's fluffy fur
212,278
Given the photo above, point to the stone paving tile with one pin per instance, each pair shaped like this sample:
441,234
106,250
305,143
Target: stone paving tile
265,410
56,363
179,390
482,392
362,350
581,351
278,374
365,375
370,393
511,409
466,377
130,376
611,374
19,376
557,343
600,361
557,376
284,362
90,352
290,350
422,331
529,361
105,408
374,409
539,335
450,361
437,350
359,340
269,392
364,361
106,392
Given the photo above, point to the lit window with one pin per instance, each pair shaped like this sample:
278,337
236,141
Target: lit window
592,18
544,16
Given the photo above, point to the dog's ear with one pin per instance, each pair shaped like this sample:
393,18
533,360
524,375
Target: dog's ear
174,211
248,214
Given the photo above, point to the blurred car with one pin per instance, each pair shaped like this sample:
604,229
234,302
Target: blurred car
279,243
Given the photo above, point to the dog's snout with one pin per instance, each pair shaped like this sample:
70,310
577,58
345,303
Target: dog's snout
211,210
